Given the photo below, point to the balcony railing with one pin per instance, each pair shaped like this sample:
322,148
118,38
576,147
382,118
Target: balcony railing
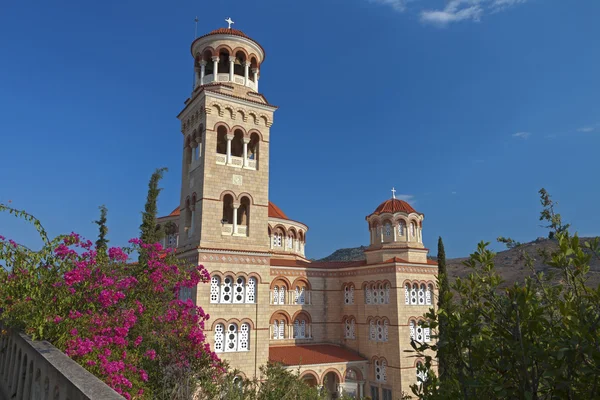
225,78
237,162
291,298
227,230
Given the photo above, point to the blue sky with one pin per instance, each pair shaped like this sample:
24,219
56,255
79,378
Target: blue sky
467,107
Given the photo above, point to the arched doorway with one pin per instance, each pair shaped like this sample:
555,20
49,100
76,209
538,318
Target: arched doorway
310,379
352,379
331,383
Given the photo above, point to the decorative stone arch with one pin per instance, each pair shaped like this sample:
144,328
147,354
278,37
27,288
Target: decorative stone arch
221,123
243,50
245,194
313,373
328,370
301,235
238,127
194,200
253,130
384,319
206,52
219,108
359,374
302,315
418,360
263,118
231,111
281,280
218,274
279,315
407,282
247,321
226,192
301,282
223,47
371,318
218,321
386,282
256,276
254,117
242,113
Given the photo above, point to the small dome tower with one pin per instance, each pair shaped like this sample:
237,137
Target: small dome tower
395,231
227,55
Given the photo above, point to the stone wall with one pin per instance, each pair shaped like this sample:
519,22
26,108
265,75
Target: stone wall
37,370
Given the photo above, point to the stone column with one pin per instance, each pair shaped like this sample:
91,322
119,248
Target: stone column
246,141
215,60
361,390
231,66
395,229
202,71
235,208
246,73
197,81
255,72
380,233
229,139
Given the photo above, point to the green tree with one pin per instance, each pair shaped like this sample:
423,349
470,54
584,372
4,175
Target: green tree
444,303
536,340
150,232
553,219
102,242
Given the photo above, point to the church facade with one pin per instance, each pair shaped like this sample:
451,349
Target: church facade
345,325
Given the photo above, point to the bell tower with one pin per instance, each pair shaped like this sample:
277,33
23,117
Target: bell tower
226,126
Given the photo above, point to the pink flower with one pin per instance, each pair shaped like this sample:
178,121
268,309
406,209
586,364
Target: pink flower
143,375
57,319
74,332
151,354
137,341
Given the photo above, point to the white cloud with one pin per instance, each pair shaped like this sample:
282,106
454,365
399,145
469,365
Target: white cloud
586,129
522,135
453,192
454,11
398,5
409,198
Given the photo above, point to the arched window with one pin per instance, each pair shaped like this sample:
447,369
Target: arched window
350,328
413,229
401,228
302,327
219,338
386,325
238,65
231,338
253,148
429,294
387,293
413,329
227,209
380,367
238,290
223,66
388,229
300,295
237,144
367,294
221,140
278,238
381,291
276,330
244,339
215,285
426,334
421,373
422,294
419,333
243,216
413,294
227,289
348,294
282,291
276,295
406,293
372,331
374,296
251,290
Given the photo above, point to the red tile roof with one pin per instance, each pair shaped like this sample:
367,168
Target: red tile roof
228,31
312,354
175,212
401,260
394,206
275,212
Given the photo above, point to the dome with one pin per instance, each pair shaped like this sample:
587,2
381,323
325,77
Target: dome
228,31
275,212
393,206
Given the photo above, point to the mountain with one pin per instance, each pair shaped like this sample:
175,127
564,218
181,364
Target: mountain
509,263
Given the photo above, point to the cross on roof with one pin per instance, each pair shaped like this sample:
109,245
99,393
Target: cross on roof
393,193
229,21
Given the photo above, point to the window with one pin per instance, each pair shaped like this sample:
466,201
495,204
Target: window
374,393
387,293
226,290
406,293
413,228
276,295
219,338
230,292
231,339
412,327
421,373
374,297
421,294
372,331
348,294
282,329
429,294
289,242
379,326
350,331
215,283
243,343
413,294
251,291
300,295
388,229
238,290
401,228
282,295
380,370
277,239
387,394
367,295
299,329
279,329
381,294
379,330
276,330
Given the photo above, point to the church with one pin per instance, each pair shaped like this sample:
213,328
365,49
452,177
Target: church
344,325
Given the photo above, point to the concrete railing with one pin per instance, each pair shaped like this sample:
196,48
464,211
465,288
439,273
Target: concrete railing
37,370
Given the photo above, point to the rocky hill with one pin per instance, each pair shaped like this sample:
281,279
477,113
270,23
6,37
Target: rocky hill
509,263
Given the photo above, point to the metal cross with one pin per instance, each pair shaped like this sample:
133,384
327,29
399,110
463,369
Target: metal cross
229,21
196,28
393,193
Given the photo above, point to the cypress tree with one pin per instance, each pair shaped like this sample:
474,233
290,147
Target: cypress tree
149,230
444,305
102,242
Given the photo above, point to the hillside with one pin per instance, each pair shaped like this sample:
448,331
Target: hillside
508,262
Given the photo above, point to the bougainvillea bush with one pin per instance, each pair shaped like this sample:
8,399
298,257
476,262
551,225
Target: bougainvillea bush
122,321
